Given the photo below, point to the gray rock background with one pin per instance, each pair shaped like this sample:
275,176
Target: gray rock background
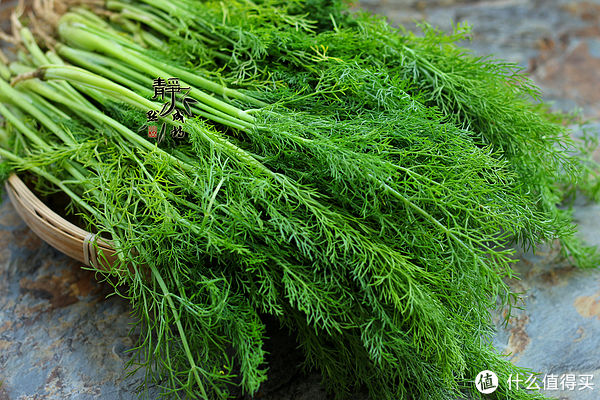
61,338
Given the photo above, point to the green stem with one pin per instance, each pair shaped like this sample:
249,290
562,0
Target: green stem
51,178
30,134
187,12
100,66
121,129
82,76
168,295
17,99
89,79
135,13
38,56
431,219
90,16
89,39
96,63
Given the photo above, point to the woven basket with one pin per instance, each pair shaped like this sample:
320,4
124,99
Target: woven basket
57,231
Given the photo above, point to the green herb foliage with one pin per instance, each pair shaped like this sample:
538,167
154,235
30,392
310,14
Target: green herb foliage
357,182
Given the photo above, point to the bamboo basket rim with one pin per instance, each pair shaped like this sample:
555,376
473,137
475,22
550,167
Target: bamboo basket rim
86,247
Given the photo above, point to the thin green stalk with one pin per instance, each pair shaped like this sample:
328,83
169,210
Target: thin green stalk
24,58
4,137
76,55
40,59
151,40
18,100
38,102
84,77
128,134
10,117
185,11
37,55
167,294
4,71
132,137
82,59
135,13
86,38
162,24
50,110
90,16
19,68
95,63
51,178
70,166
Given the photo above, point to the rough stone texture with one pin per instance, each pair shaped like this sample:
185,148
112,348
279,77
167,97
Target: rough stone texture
557,330
60,338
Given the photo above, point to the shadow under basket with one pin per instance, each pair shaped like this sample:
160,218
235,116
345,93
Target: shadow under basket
55,230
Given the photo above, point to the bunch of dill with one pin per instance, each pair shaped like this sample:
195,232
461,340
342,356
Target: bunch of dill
361,184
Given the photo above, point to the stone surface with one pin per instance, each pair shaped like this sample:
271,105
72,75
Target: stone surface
61,338
557,330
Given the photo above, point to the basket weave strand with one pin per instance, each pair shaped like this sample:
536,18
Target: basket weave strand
64,236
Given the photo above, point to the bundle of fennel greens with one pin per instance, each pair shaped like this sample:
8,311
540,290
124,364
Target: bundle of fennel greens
361,184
